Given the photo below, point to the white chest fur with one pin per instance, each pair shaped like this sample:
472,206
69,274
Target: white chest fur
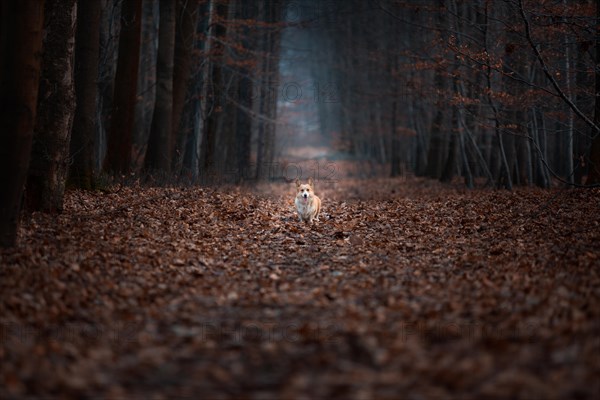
307,210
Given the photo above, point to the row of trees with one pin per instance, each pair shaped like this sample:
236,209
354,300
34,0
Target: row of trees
172,88
504,90
190,109
183,89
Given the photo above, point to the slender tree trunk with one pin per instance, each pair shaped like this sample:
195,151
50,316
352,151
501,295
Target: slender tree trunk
56,106
87,45
594,174
262,150
120,136
244,85
107,66
510,149
273,74
593,177
505,172
523,153
146,82
243,128
436,141
21,30
543,138
185,40
190,135
450,165
158,155
570,173
421,147
225,152
210,89
468,175
395,148
541,176
268,101
581,143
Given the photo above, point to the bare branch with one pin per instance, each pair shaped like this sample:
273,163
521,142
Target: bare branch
546,71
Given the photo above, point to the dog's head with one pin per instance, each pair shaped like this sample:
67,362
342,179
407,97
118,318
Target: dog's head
304,190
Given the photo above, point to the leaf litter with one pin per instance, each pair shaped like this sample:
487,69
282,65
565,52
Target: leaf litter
403,289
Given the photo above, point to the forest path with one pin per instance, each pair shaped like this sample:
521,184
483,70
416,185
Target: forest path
403,287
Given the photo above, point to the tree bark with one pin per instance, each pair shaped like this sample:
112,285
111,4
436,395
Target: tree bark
569,153
56,106
158,155
450,163
110,27
262,140
504,177
244,127
593,177
212,90
21,23
146,82
190,128
185,40
268,101
395,147
87,47
120,134
436,141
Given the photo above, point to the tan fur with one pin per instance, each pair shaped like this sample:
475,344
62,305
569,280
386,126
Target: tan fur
307,203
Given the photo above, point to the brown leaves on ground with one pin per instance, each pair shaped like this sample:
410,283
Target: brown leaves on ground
403,289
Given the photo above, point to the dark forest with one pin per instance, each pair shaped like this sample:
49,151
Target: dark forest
299,199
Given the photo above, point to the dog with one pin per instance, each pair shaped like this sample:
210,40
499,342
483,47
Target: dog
307,203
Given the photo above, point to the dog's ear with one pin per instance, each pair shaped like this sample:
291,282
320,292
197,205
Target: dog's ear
310,182
297,183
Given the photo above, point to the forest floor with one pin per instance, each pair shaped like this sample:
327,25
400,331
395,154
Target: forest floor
405,288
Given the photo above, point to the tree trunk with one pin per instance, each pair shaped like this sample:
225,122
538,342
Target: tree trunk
240,103
146,82
185,40
56,106
120,134
569,153
262,139
243,127
450,164
523,151
467,174
421,146
107,66
581,143
395,148
503,177
541,176
21,31
273,73
593,177
190,135
158,155
435,150
268,101
87,47
210,89
594,174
